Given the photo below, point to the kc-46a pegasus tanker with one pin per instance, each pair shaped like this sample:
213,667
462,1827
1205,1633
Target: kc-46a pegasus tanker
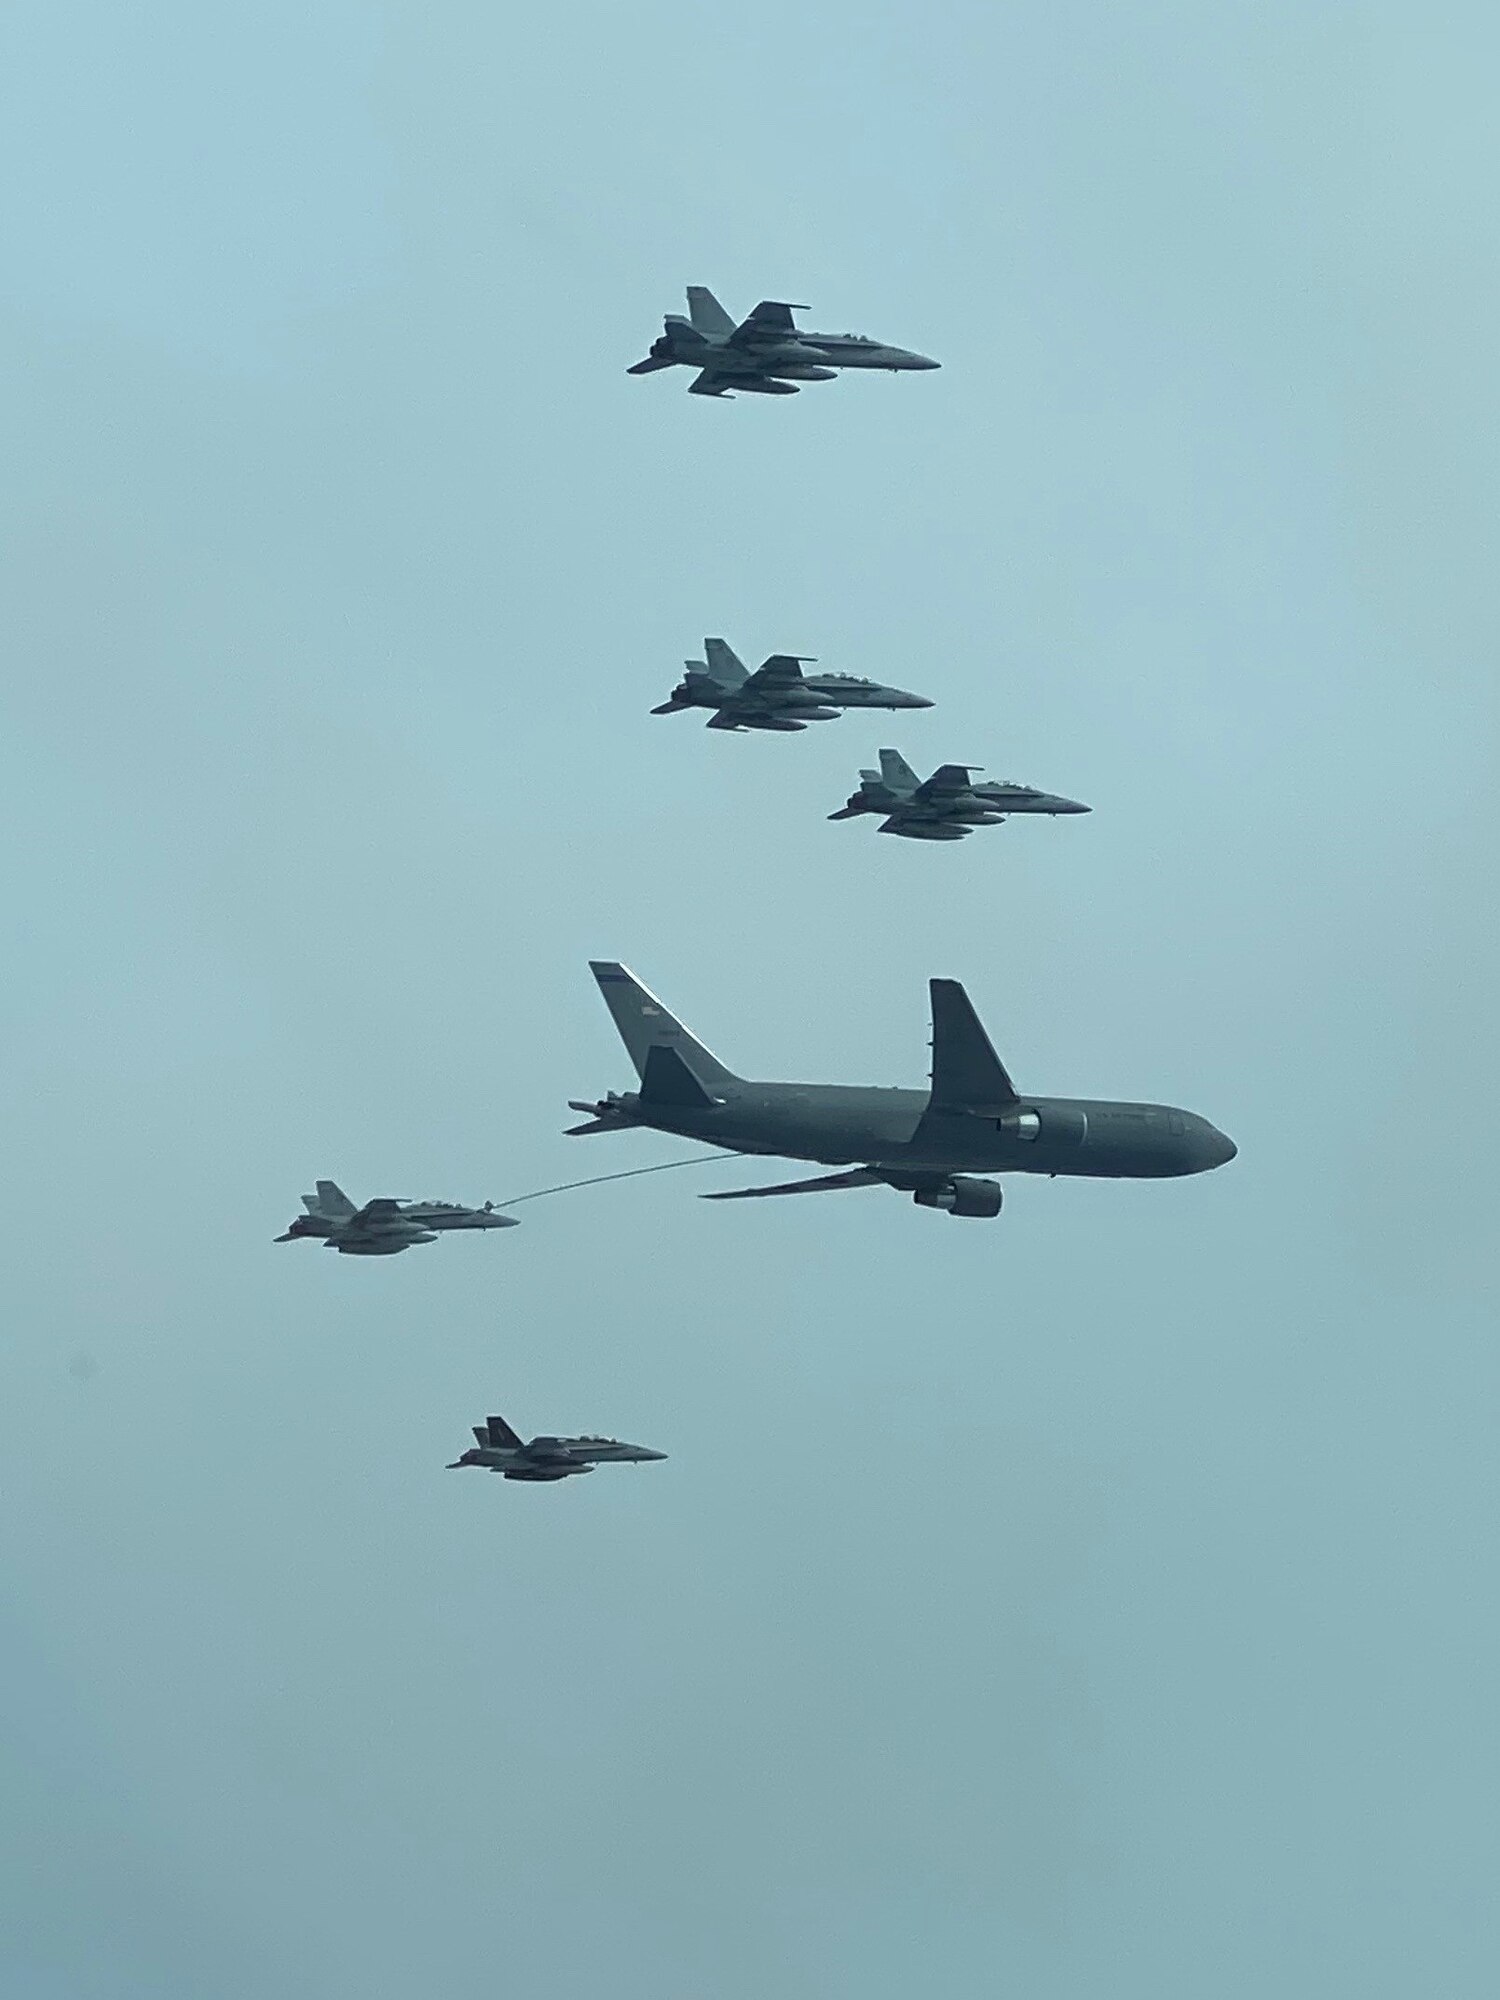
767,354
936,1145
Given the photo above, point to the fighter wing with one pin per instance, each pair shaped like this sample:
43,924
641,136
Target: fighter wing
780,672
769,324
967,1075
377,1215
947,781
709,383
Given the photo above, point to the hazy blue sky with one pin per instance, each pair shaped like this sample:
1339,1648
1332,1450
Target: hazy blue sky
1101,1601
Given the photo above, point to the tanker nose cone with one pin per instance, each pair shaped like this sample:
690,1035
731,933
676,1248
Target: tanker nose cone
1219,1149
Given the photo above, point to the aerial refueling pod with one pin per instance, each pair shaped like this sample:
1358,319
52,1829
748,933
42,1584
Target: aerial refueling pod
963,1195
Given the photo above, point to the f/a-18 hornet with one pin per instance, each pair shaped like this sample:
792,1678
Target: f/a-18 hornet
496,1448
946,806
767,354
778,695
934,1145
381,1228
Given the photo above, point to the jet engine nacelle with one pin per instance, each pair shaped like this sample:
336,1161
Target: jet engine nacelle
1058,1124
963,1195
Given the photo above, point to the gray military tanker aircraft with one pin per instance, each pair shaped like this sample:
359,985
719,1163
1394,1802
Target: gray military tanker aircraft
382,1228
934,1144
946,806
497,1448
767,354
778,695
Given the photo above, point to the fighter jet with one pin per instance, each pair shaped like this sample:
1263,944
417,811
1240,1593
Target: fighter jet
778,695
934,1144
497,1449
767,354
381,1228
946,806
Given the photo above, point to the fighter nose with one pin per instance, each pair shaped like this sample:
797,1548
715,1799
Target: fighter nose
916,701
922,361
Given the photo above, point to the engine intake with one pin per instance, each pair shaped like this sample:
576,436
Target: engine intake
963,1195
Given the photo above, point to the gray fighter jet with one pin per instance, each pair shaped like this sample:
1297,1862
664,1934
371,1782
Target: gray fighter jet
946,806
381,1228
767,354
778,695
930,1144
497,1449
